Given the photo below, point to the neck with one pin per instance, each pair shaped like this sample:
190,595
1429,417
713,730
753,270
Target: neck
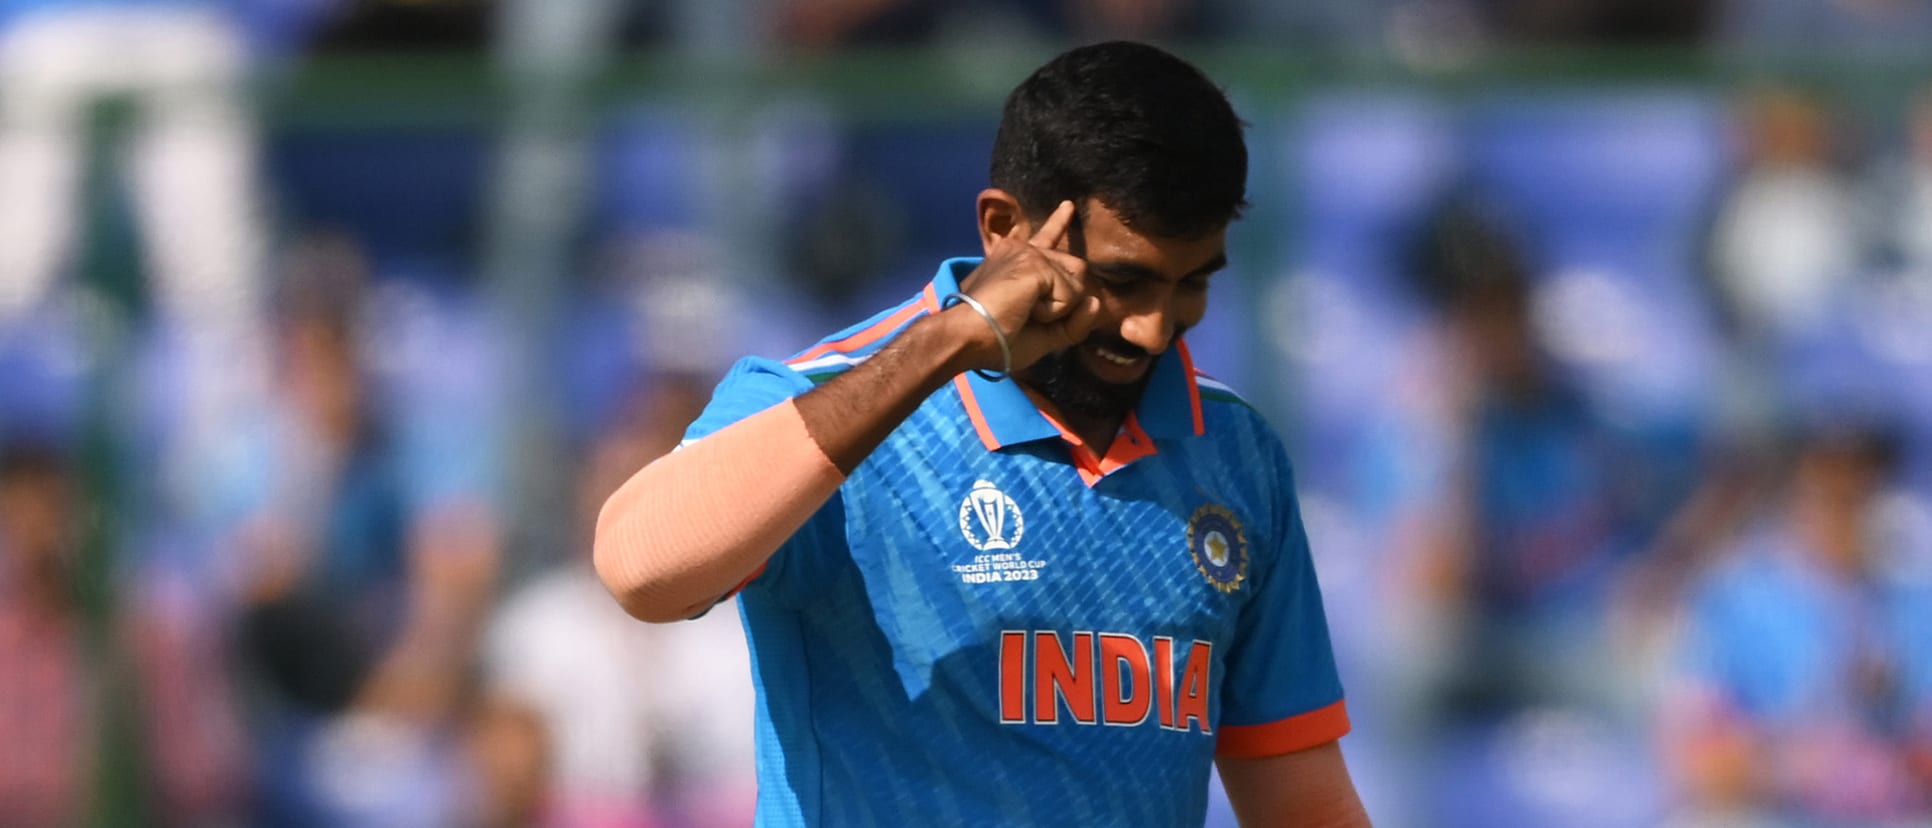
1095,432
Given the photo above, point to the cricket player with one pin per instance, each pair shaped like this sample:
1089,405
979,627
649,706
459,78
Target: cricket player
1005,557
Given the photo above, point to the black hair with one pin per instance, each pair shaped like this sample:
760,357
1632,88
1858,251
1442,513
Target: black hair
1142,131
1465,253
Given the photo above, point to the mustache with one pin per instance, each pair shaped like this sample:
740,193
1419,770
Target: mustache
1119,345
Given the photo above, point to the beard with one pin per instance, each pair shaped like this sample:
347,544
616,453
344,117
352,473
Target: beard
1076,392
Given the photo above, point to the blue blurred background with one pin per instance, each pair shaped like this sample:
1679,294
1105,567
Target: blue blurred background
1601,332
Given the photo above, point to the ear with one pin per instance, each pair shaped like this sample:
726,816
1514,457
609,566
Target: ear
1000,216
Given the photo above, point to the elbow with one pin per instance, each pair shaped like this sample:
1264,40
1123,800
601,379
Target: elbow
635,595
626,578
653,613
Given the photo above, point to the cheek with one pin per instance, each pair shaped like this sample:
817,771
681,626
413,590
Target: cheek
1115,307
1188,308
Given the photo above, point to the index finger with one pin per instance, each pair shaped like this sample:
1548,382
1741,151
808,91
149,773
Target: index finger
1055,227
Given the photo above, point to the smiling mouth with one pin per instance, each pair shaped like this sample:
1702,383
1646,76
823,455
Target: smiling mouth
1115,357
1092,380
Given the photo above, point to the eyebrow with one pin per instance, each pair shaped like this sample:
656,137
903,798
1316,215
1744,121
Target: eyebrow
1142,272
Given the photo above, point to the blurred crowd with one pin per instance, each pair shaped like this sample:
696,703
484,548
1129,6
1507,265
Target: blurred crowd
1612,406
1631,495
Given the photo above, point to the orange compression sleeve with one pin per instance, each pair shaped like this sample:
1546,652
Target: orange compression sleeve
695,523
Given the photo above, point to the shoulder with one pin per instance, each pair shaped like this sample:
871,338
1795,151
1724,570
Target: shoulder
1217,393
1245,452
837,353
771,380
1234,426
752,384
756,383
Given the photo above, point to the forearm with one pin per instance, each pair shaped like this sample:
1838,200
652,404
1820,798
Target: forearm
696,523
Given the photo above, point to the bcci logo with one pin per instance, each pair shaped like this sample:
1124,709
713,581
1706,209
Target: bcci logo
990,520
1219,547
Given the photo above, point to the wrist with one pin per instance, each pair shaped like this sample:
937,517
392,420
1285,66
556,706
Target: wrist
961,341
993,327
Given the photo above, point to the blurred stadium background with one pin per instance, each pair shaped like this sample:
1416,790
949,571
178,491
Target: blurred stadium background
1602,332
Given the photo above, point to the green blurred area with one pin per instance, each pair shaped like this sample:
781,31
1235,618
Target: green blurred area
913,83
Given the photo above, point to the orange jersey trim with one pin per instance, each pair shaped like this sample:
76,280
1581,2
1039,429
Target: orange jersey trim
1193,388
1131,444
978,417
871,333
1299,732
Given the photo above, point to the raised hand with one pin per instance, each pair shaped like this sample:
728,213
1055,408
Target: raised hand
1035,291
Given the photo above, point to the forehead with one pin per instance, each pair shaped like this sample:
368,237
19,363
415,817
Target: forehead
1110,240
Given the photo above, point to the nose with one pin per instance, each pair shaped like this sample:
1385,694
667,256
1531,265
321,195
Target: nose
1149,329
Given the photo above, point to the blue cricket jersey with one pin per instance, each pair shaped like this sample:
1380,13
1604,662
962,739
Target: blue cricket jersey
991,625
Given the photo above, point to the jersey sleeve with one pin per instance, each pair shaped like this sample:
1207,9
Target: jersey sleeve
751,386
1282,692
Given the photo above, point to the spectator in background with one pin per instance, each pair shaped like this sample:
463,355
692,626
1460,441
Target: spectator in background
370,559
509,761
646,725
1787,236
1805,686
1786,243
1524,547
59,680
47,723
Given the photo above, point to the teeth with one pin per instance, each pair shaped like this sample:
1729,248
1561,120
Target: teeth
1114,358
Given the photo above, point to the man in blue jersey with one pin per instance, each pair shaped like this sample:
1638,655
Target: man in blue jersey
1005,556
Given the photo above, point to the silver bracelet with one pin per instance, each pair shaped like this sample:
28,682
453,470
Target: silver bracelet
1006,350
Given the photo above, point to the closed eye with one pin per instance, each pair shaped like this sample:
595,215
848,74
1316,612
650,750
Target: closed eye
1118,282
